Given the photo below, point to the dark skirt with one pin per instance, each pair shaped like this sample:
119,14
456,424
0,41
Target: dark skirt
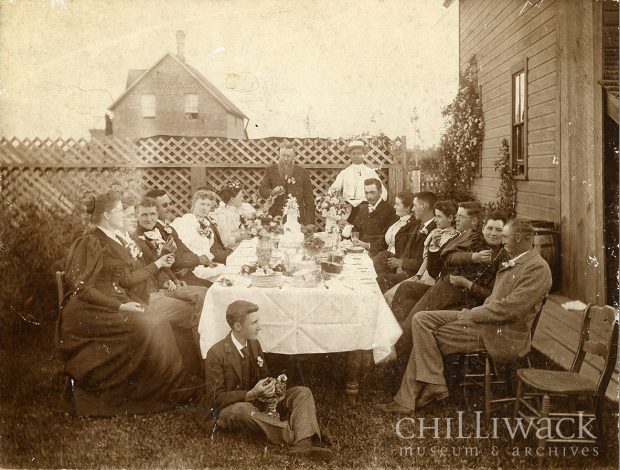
121,363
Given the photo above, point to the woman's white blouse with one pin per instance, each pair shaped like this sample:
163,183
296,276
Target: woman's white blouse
228,220
390,235
187,228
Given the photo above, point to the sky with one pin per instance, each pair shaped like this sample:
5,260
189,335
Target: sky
335,68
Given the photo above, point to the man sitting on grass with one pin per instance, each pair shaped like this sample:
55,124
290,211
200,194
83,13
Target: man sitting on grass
237,379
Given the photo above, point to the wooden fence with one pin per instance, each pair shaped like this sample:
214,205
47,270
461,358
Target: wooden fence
57,172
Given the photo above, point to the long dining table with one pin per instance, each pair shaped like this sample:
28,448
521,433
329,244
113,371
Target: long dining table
344,314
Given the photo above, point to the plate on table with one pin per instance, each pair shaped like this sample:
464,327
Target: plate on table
266,280
356,250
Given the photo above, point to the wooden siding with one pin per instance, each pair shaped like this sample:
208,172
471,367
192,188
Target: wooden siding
502,34
169,82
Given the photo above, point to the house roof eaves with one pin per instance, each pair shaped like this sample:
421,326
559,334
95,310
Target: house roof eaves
217,94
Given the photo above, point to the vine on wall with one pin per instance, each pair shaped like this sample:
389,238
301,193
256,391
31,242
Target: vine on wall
507,190
460,144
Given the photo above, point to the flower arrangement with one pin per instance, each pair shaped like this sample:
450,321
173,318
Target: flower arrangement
332,205
460,144
157,242
134,249
204,227
261,224
290,180
278,395
234,185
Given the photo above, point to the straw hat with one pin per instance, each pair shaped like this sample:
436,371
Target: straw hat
356,144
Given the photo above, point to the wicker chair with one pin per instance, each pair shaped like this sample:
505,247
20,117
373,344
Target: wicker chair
536,383
490,374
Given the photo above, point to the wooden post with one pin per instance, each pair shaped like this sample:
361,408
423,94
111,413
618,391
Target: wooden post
199,178
398,172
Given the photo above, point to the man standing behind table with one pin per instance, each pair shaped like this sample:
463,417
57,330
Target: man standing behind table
350,181
185,259
502,325
284,178
373,219
236,380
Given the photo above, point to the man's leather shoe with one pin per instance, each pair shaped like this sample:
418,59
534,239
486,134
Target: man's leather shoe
431,393
394,408
305,449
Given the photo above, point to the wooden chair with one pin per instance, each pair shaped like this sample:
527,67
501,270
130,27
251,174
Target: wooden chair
536,383
490,375
67,391
60,286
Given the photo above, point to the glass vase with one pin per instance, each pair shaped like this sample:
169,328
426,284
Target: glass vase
263,252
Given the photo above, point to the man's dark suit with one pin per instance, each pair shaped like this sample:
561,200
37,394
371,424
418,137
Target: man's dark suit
228,379
372,225
412,258
301,189
184,258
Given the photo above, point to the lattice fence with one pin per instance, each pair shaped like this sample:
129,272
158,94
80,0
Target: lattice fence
58,172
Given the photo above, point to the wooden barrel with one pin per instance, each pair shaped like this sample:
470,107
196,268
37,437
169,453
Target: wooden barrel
546,242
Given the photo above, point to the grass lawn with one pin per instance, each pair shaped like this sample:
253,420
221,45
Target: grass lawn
36,432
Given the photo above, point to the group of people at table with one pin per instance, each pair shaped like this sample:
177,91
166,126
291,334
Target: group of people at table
456,279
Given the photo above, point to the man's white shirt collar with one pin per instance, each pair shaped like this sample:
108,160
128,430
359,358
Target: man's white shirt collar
237,344
427,223
516,258
374,208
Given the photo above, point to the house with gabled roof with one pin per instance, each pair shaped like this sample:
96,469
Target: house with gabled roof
172,98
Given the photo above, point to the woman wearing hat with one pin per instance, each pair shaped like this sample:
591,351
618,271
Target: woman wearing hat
120,357
350,181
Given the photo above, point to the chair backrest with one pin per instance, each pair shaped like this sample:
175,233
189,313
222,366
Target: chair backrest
598,319
537,317
60,285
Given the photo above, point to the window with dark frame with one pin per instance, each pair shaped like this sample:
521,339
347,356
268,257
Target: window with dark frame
518,147
191,106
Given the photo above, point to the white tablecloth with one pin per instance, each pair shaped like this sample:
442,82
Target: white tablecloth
349,314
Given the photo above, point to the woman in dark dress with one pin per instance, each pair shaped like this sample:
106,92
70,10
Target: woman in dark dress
120,357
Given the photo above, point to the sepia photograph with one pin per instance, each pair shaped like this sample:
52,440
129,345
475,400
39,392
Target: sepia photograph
309,234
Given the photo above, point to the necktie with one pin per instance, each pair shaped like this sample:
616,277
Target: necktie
246,366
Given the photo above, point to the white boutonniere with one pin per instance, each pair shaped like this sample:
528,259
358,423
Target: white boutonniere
424,231
508,264
259,361
167,228
134,249
155,238
290,180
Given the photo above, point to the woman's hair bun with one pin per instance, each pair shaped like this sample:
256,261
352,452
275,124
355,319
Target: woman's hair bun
89,203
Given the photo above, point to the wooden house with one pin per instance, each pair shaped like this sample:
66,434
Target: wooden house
548,78
172,98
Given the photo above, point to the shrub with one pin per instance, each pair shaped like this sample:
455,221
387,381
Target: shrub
34,241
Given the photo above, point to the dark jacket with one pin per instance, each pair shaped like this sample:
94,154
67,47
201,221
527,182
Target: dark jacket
224,374
372,226
414,251
404,235
301,189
